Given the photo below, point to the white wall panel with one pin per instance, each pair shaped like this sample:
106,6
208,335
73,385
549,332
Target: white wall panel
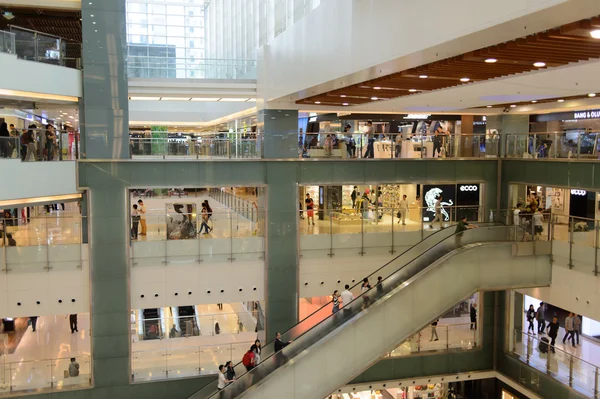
343,42
37,183
22,285
34,77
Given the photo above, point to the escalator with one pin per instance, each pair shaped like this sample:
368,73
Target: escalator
417,287
152,323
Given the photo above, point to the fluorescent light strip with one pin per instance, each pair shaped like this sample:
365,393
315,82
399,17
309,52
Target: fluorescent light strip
234,99
207,99
175,99
42,96
144,98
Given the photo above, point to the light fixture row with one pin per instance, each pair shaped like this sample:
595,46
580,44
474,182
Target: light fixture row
202,99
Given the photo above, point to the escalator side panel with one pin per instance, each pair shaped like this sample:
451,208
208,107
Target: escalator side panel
343,354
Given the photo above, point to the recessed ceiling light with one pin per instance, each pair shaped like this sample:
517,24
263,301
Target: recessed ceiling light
374,98
205,99
592,95
595,33
412,90
317,102
539,64
534,101
489,106
423,76
464,79
377,88
175,99
345,104
491,60
343,96
513,106
561,101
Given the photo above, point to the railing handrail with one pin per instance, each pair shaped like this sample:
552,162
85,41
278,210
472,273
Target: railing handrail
193,347
531,336
14,27
193,316
50,360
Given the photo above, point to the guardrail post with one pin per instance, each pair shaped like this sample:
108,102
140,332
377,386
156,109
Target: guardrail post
596,249
571,228
571,371
596,383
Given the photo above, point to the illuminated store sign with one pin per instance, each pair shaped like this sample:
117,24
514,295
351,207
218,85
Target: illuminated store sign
417,116
579,192
593,114
468,188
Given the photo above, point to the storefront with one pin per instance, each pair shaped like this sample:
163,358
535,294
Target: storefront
430,391
458,201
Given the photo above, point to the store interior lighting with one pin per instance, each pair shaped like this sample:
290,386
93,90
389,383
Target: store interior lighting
203,99
595,33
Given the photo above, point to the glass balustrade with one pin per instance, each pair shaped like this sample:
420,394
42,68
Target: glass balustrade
33,144
440,338
41,47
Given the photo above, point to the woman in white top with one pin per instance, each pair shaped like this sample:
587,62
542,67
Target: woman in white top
538,223
222,383
257,351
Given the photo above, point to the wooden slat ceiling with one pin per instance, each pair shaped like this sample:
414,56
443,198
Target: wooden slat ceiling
543,101
65,24
560,46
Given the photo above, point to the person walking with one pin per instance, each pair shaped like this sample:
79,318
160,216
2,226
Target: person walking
73,323
434,331
438,142
553,332
29,140
33,321
204,216
539,315
530,319
73,368
353,197
310,213
576,326
4,140
50,142
517,219
438,213
336,302
569,329
403,210
370,153
473,315
135,220
142,212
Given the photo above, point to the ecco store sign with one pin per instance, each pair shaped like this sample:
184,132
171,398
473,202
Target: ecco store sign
579,192
467,188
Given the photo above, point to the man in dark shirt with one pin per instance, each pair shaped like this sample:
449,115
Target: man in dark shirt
460,228
553,332
353,197
473,314
279,344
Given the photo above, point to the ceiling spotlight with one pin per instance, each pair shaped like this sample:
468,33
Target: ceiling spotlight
412,90
374,98
423,76
345,104
8,15
489,106
377,88
592,95
534,101
343,96
464,79
317,102
513,106
491,60
595,33
561,101
539,64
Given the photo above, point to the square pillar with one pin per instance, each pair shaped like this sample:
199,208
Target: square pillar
280,133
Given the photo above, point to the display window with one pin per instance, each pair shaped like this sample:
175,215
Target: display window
430,391
458,200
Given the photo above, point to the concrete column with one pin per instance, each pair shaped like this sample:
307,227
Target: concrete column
105,116
510,124
280,133
466,141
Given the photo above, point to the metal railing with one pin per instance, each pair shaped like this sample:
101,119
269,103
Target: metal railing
440,338
147,66
244,207
204,146
7,42
36,46
45,375
40,145
557,363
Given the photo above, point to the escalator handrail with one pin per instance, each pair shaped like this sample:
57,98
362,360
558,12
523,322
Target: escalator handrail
428,249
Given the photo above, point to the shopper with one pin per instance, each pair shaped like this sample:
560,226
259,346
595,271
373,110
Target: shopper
379,284
73,323
33,322
403,210
249,359
353,197
217,328
204,217
257,350
336,302
135,220
347,297
517,219
538,224
328,146
366,286
438,213
473,315
434,331
222,380
73,368
553,332
530,319
28,138
173,332
4,140
142,212
540,318
350,143
310,214
279,344
50,142
370,153
569,329
576,326
11,241
461,226
438,141
229,371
